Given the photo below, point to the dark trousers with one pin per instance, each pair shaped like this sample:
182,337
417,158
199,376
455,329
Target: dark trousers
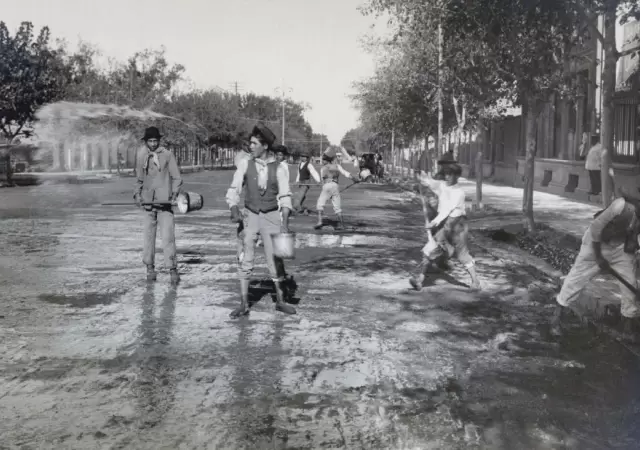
596,181
299,197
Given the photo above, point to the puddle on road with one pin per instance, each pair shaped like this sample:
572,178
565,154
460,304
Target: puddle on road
191,257
304,240
83,300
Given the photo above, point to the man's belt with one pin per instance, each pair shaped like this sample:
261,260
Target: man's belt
260,211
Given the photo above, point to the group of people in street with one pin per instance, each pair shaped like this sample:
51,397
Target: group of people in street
609,245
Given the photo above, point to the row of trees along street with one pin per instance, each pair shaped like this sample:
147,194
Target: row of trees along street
36,71
450,65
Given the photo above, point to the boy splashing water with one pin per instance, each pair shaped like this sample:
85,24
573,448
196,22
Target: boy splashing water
450,225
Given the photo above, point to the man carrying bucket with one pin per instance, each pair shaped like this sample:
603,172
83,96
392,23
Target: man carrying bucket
159,180
267,193
330,173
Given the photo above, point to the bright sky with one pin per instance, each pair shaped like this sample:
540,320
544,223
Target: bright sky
314,45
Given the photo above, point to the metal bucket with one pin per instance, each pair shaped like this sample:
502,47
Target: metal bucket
284,245
189,201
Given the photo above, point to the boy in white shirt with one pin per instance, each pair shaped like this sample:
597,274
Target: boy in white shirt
450,225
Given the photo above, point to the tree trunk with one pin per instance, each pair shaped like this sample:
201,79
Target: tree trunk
393,153
608,90
492,147
479,176
439,138
461,119
531,146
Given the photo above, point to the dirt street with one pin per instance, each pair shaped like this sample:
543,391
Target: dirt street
91,357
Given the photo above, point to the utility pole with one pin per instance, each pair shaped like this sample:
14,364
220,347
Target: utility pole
130,84
283,91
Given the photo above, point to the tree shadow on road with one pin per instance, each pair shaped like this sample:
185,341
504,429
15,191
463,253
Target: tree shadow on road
517,381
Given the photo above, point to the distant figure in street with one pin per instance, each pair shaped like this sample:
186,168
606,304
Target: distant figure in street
593,164
159,180
281,152
306,171
330,172
610,242
450,226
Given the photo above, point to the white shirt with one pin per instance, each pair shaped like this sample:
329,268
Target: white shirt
284,191
594,158
451,199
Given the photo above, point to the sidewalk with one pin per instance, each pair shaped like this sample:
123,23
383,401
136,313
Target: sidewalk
563,214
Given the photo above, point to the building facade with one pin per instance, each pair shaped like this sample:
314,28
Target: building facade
564,127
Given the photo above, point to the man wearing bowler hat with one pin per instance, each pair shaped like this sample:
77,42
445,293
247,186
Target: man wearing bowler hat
267,196
159,180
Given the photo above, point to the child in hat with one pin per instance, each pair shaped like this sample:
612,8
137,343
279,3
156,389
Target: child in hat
450,225
330,172
159,180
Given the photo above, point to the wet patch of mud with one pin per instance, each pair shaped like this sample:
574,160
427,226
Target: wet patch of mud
82,300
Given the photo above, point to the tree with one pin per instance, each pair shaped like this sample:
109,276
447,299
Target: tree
493,49
146,80
531,41
32,74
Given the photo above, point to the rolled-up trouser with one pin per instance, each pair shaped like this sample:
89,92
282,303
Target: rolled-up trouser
163,216
585,268
300,196
331,191
240,242
267,224
456,234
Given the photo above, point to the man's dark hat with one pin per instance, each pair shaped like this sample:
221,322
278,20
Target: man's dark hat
260,130
151,133
452,168
280,149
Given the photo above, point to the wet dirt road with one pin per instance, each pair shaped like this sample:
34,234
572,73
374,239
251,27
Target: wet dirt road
91,357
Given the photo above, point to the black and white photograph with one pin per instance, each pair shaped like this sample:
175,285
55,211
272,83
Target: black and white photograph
307,225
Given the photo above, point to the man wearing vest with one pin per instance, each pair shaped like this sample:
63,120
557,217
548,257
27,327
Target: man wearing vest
267,193
305,172
330,172
158,180
610,242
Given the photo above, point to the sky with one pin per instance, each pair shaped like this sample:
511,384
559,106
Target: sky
312,46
